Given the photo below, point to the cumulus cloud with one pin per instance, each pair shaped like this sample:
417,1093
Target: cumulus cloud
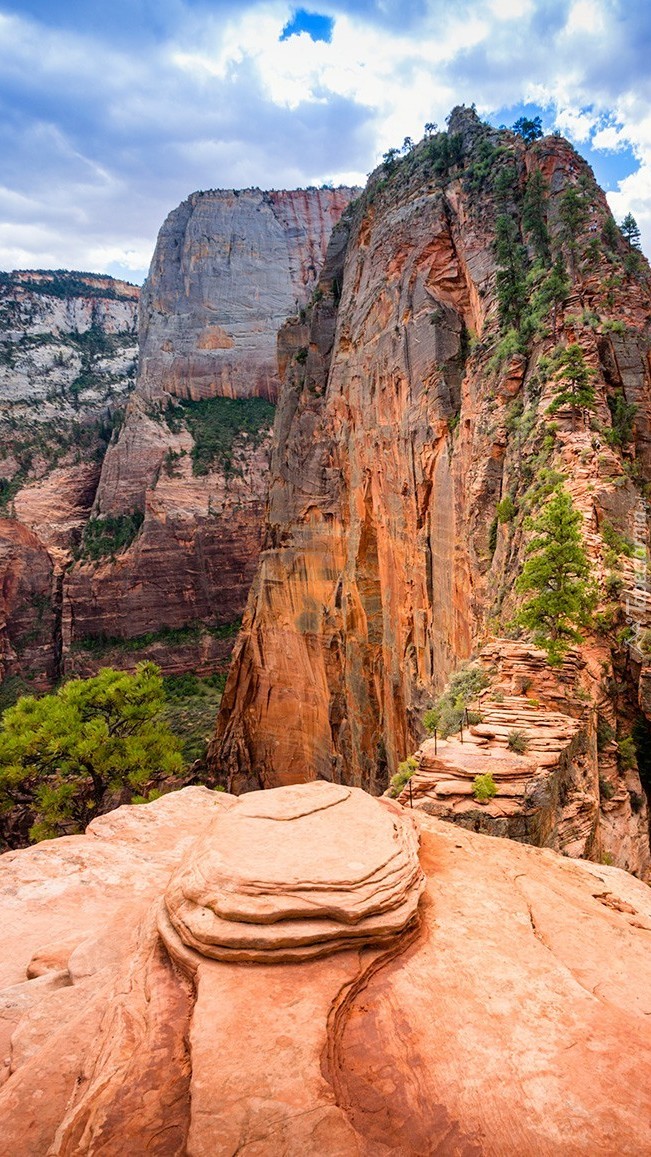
112,114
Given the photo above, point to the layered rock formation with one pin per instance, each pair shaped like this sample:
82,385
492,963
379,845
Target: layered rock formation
228,268
68,349
293,875
474,1030
415,412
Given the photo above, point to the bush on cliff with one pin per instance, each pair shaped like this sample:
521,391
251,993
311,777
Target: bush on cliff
451,709
67,757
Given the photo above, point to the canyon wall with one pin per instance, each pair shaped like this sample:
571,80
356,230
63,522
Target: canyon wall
189,470
68,354
414,413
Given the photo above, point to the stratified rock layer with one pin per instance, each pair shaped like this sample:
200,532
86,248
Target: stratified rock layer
513,1016
412,445
228,269
294,874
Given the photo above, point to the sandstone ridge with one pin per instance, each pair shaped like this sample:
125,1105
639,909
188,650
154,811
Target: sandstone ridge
511,1016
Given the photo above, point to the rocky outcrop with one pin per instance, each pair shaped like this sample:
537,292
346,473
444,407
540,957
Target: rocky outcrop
545,764
229,267
413,415
515,962
293,875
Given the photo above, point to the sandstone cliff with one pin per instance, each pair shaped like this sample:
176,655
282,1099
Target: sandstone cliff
471,997
192,457
417,411
68,349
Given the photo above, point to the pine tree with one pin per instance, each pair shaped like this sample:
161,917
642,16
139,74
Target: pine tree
65,756
574,384
534,215
629,229
529,129
511,275
573,214
557,571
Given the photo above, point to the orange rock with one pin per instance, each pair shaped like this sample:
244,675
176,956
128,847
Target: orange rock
511,1017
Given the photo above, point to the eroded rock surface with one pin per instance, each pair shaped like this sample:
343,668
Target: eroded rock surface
413,444
228,269
290,875
511,1015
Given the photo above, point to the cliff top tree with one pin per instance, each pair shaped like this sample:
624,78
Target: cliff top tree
64,755
630,230
529,130
557,572
574,382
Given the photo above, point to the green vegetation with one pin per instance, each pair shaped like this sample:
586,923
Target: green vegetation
627,754
484,787
557,572
174,636
66,757
221,429
623,417
606,789
529,130
109,535
630,231
534,216
404,773
511,258
617,542
191,709
574,387
61,283
518,741
506,509
447,714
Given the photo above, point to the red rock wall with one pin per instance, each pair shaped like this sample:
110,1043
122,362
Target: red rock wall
396,440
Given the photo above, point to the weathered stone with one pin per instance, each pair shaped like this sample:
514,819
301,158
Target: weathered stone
520,962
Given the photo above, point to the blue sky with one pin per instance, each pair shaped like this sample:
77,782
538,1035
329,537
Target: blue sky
112,111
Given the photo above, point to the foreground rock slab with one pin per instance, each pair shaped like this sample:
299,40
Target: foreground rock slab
511,1016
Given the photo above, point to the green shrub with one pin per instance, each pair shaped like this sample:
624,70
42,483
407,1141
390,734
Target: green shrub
221,428
617,542
506,509
107,536
404,773
518,741
606,788
605,733
484,787
627,754
447,714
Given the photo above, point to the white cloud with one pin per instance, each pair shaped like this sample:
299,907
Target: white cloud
101,141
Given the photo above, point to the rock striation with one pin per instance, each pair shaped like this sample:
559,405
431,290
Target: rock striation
474,1030
228,268
391,552
68,351
291,875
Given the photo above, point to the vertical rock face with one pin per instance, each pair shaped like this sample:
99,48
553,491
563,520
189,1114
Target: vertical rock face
192,456
68,351
412,416
229,267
